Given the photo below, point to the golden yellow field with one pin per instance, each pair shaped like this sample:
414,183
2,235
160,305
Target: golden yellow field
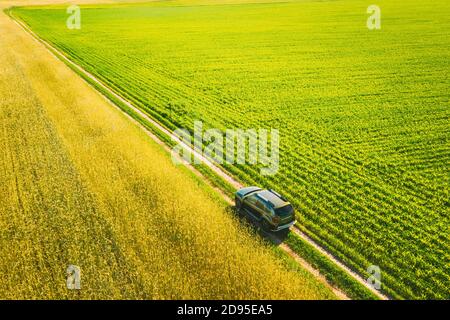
81,184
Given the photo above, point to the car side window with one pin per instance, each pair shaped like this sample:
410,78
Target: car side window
260,205
252,200
267,210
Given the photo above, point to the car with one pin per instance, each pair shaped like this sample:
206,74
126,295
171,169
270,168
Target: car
268,207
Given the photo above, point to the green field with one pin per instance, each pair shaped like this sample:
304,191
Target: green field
74,191
363,115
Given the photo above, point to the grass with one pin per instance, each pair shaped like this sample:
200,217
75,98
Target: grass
333,274
74,191
363,116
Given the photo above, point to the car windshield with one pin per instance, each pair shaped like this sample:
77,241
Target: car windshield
284,211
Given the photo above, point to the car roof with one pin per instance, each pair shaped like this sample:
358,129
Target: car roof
273,198
247,190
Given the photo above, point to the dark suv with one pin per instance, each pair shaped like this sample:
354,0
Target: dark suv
267,207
